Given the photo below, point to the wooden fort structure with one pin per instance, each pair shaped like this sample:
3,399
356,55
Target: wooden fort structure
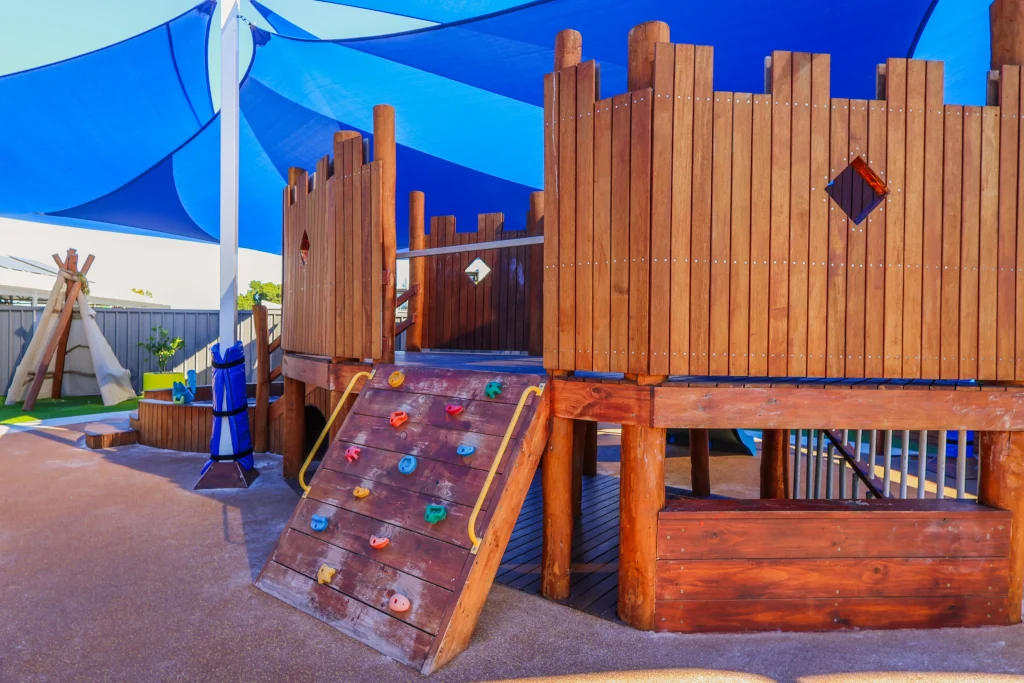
711,260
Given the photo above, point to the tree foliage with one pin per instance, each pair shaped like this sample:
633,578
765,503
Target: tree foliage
143,292
259,292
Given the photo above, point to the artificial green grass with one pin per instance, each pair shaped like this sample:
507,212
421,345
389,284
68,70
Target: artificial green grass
47,408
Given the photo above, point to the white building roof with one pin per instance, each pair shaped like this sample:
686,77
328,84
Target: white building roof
22,277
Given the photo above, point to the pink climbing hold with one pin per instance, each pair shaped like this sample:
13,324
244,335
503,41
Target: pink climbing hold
453,409
352,453
399,603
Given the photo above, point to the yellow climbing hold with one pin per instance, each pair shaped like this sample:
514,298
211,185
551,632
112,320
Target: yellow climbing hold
360,492
325,574
396,379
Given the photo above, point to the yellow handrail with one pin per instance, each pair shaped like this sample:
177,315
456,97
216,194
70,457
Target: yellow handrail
539,390
337,409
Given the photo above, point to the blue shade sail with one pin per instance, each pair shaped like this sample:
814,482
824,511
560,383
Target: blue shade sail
127,137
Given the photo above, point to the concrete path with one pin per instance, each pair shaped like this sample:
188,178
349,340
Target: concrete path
113,569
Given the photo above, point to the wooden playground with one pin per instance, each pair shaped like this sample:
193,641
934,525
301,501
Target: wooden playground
846,276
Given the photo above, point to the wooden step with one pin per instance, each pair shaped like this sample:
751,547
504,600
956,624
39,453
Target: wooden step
109,435
430,564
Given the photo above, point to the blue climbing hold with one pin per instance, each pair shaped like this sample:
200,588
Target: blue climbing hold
407,465
184,393
493,389
435,513
318,523
465,449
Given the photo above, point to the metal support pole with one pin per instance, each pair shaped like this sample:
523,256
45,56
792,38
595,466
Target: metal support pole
228,319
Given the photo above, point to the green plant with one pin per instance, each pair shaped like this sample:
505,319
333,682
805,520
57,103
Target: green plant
162,346
143,292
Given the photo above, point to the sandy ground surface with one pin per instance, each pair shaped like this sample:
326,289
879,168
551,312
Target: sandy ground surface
113,569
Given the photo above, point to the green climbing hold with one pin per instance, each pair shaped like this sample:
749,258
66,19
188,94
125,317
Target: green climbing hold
493,389
435,513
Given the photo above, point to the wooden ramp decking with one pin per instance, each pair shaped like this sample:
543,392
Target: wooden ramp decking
595,547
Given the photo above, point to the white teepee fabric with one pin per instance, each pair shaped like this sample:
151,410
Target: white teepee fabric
90,367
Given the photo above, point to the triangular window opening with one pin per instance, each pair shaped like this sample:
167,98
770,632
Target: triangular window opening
304,248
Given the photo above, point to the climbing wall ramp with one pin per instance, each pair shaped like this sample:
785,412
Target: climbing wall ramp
385,477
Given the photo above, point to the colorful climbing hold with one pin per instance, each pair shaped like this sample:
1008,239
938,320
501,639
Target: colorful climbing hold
379,542
493,389
398,418
360,492
352,453
465,449
399,603
317,522
453,409
407,465
435,513
396,378
325,574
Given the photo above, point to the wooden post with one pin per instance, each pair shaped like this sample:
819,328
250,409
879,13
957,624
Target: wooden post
1006,29
71,264
535,279
1001,485
773,460
294,426
579,443
556,480
568,48
417,273
261,416
384,151
640,50
641,498
700,462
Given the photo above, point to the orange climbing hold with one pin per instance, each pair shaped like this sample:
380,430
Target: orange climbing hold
399,603
398,418
352,453
378,542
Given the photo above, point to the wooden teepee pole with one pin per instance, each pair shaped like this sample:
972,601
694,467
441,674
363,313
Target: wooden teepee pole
70,264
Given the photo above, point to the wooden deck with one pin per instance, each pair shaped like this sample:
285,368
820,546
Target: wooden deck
595,547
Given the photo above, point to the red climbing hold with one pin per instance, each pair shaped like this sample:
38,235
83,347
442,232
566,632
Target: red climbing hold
352,453
398,418
453,409
378,542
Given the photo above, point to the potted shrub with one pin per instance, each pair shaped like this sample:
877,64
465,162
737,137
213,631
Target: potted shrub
162,347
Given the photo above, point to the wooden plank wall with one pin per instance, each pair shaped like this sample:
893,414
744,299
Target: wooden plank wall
488,316
332,302
689,231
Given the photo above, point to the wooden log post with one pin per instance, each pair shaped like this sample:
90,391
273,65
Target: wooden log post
1001,485
1006,29
294,426
417,273
384,151
773,463
641,498
700,462
70,264
640,53
261,413
535,278
568,48
556,480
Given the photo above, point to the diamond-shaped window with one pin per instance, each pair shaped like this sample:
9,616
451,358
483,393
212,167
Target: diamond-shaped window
857,190
477,271
304,248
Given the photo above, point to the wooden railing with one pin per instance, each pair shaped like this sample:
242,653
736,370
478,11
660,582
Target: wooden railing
690,232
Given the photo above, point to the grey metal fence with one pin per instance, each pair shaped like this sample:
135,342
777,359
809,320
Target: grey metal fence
124,328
